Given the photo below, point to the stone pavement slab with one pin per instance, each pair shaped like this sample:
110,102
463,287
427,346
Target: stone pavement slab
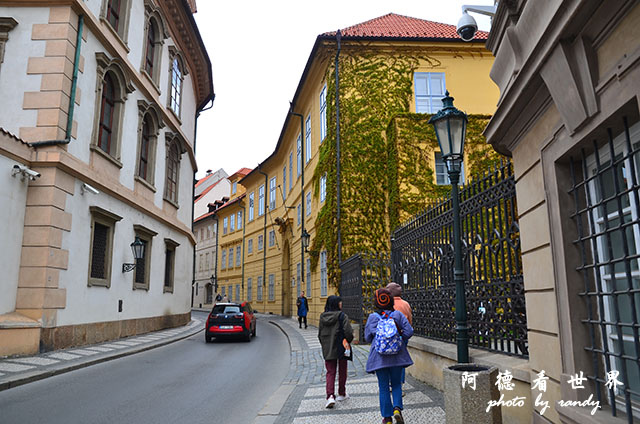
306,384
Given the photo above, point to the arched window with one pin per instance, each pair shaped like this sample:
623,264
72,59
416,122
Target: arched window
151,45
176,86
107,112
173,168
145,146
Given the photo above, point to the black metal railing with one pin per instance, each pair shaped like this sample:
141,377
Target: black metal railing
605,192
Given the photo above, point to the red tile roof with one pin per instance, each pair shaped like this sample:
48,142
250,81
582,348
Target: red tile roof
201,180
242,171
206,190
399,26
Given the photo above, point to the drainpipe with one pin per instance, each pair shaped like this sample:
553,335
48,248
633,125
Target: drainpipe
72,98
338,37
244,222
302,199
264,237
215,267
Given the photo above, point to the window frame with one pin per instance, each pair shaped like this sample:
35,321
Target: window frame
171,247
177,73
109,220
308,206
223,259
121,31
307,139
225,225
261,200
260,242
146,236
172,188
428,96
272,238
272,287
238,255
249,289
323,187
148,113
299,154
308,276
273,183
324,289
323,113
251,205
259,287
249,246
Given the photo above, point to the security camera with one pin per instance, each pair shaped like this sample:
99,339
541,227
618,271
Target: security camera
467,27
86,187
26,172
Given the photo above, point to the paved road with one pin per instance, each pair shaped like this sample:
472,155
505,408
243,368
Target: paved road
187,381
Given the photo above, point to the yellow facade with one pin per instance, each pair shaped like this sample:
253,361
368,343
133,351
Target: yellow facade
275,266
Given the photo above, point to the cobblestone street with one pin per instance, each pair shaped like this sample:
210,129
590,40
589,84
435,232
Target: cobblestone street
306,401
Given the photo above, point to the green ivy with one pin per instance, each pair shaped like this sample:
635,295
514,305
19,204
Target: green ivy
386,170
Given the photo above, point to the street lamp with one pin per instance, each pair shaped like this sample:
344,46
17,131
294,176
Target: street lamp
214,283
305,240
137,247
451,126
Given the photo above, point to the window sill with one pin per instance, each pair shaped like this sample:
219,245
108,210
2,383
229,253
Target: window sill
138,286
145,183
151,80
173,112
121,41
97,282
166,289
172,203
106,155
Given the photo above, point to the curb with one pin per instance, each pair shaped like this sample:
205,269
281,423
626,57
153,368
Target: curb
30,377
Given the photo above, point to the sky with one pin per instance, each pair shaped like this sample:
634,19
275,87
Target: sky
258,50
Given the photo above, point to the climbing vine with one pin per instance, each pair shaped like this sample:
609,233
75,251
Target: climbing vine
386,159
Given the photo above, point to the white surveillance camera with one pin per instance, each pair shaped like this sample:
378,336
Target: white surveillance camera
26,172
86,187
467,27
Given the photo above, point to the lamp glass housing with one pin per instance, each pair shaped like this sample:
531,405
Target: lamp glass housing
450,125
137,247
305,239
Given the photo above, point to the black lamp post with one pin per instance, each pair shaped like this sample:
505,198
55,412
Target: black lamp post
451,127
306,237
137,247
214,283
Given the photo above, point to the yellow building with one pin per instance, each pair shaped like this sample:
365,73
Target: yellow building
389,68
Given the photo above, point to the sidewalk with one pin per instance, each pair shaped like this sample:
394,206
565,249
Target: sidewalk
301,398
21,370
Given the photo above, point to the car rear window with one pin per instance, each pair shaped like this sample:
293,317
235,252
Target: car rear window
225,309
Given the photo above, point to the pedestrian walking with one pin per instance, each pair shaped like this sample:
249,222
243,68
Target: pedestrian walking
403,306
225,299
303,309
335,335
388,332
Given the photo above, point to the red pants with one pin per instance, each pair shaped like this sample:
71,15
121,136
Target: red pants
331,366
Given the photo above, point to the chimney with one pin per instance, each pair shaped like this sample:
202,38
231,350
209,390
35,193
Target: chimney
209,172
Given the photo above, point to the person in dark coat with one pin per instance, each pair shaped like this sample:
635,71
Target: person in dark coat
303,309
388,368
331,320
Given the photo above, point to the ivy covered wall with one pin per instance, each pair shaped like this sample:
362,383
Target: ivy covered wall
386,152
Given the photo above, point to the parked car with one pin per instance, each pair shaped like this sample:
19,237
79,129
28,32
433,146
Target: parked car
230,319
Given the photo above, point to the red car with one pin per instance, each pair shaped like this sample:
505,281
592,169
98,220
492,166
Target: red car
230,319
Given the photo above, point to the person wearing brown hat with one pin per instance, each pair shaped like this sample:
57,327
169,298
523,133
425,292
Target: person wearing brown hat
401,305
388,331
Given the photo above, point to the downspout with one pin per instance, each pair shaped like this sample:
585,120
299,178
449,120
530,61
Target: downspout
302,199
215,267
264,236
337,66
244,222
72,98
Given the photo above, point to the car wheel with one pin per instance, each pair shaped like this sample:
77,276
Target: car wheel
247,337
207,338
254,331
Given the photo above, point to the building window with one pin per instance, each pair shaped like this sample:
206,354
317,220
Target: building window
251,201
102,229
201,263
298,276
149,129
224,291
230,294
249,289
284,183
272,193
260,289
143,266
299,154
107,112
442,176
260,242
261,200
323,113
272,238
429,89
173,172
239,220
250,246
323,273
177,72
155,35
290,170
323,187
308,211
308,269
232,223
299,213
307,135
272,283
230,258
234,187
170,263
606,212
116,14
238,257
223,262
206,258
225,223
209,293
237,292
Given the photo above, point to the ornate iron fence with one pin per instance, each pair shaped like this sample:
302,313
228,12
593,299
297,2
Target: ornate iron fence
422,262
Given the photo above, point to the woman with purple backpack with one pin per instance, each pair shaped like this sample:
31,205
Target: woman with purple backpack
388,332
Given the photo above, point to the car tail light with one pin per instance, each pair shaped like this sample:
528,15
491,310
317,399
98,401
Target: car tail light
212,316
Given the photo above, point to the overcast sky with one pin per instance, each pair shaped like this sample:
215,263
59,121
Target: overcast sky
258,50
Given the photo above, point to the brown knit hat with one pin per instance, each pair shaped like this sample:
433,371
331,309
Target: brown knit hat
383,299
395,289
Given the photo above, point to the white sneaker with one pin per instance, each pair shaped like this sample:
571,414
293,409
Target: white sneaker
341,398
330,402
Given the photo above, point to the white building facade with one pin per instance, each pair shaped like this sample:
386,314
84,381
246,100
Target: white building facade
115,167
